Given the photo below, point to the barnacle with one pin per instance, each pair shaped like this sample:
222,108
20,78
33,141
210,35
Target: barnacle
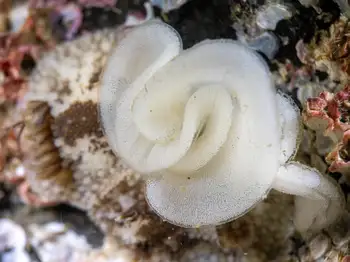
45,158
192,122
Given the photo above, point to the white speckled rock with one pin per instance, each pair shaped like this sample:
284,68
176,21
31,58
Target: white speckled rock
67,78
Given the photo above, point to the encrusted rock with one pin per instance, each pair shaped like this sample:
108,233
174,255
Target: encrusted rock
331,53
207,233
204,252
67,79
340,232
264,232
319,246
273,227
237,234
124,212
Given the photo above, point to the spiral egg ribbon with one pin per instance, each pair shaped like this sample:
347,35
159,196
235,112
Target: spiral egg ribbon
319,201
201,124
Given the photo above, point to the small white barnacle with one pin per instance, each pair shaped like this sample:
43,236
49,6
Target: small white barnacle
209,113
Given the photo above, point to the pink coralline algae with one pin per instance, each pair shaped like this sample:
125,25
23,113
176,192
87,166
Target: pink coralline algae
339,158
330,113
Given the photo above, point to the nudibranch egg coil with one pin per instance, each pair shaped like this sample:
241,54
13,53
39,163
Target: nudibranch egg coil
204,125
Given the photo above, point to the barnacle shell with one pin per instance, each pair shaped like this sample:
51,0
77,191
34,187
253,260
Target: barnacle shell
44,157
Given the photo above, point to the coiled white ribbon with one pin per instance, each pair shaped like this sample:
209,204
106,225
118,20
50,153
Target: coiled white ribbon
207,127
